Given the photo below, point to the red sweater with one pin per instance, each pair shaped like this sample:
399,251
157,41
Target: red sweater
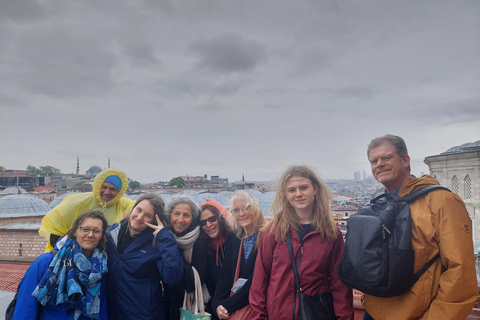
273,285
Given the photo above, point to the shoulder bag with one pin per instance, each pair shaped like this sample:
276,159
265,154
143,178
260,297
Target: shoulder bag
319,307
194,310
243,313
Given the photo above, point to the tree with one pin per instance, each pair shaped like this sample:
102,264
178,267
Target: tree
177,182
134,185
34,170
46,171
2,168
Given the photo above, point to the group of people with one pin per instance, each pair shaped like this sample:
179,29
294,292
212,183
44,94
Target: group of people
146,264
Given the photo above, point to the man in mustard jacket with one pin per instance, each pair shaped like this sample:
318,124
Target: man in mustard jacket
108,189
440,224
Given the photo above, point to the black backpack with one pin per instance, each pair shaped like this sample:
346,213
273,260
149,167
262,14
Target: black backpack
11,306
378,257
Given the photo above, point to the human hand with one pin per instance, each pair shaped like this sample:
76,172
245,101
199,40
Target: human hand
157,227
222,313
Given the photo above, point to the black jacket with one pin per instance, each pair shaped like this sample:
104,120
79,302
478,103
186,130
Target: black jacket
227,275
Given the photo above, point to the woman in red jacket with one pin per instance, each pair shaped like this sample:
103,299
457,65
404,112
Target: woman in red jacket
301,209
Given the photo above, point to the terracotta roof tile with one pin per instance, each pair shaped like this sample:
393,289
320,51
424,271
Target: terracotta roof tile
11,274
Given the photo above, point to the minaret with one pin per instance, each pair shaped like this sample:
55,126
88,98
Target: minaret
78,166
109,162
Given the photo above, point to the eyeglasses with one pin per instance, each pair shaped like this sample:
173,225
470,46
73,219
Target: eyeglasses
212,219
86,230
237,211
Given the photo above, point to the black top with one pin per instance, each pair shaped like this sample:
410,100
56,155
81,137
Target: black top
213,272
304,230
227,275
174,294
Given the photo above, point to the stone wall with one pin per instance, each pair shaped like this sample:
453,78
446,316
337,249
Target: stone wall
445,167
32,244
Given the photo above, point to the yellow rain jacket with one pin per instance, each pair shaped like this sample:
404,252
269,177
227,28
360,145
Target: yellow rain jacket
60,219
440,224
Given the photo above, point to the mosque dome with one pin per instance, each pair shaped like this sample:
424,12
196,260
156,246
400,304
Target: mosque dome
59,199
466,147
22,205
13,190
93,171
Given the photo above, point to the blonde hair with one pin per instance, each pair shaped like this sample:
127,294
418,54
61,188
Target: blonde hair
258,223
285,215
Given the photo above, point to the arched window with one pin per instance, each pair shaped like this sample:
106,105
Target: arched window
468,187
455,184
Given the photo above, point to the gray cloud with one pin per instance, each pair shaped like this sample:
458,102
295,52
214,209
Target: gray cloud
265,83
228,54
141,54
79,66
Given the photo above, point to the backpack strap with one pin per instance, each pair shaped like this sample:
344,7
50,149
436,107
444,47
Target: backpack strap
417,193
426,267
409,198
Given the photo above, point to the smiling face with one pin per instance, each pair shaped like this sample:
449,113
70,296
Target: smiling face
89,241
300,193
388,167
143,212
212,229
181,217
244,215
108,192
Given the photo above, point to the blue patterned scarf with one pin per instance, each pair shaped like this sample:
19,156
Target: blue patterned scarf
74,279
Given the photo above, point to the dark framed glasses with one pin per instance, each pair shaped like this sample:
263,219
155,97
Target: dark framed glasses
212,219
86,230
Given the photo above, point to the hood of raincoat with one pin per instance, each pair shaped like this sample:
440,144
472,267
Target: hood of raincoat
100,179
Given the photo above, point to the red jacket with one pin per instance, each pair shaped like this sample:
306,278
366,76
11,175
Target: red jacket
273,285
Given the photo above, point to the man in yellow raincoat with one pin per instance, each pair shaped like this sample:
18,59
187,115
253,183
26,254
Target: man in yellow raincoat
107,193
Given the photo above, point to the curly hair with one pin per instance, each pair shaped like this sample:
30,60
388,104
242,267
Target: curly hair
222,222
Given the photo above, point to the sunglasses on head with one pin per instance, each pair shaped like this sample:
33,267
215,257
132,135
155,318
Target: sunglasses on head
212,219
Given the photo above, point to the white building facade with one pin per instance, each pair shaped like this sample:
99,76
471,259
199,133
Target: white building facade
458,169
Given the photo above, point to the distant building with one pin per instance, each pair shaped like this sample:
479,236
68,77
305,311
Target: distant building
243,185
20,178
458,169
356,176
219,182
20,216
46,193
195,182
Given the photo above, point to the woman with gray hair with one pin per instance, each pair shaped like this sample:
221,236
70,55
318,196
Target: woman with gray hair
239,254
182,219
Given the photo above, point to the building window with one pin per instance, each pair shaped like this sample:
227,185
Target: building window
468,187
346,214
455,184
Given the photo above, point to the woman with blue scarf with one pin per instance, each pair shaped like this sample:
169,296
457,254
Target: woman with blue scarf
68,283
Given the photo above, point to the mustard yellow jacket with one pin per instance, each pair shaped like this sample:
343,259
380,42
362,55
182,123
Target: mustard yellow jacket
440,224
59,220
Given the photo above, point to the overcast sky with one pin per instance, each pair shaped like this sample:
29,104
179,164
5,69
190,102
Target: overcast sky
170,88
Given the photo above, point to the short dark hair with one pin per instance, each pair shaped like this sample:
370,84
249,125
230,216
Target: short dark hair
397,142
94,214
